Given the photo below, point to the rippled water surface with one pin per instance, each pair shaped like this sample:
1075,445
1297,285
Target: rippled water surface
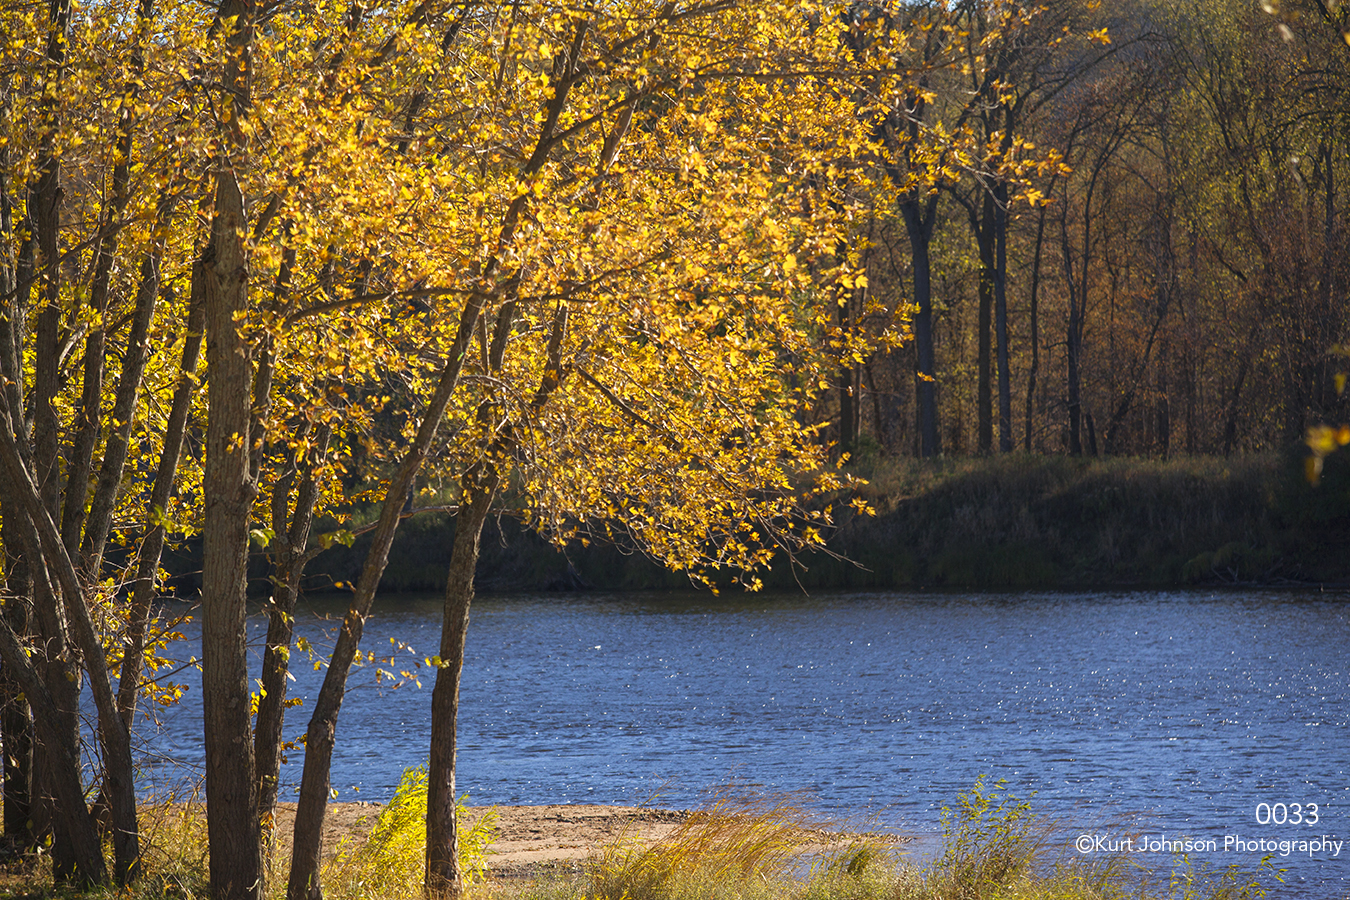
1174,713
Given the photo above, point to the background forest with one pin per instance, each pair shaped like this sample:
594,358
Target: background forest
1177,283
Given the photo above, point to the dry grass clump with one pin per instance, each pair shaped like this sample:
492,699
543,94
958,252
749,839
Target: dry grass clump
174,858
737,841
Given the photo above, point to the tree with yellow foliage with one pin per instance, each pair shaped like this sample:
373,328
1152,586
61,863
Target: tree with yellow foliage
570,249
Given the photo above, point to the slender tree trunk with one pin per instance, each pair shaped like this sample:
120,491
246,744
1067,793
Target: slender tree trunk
16,722
54,710
89,417
99,523
321,734
848,375
290,567
848,393
72,820
1074,385
1072,338
1005,426
479,486
231,798
849,407
16,730
984,401
1234,410
47,219
919,225
878,423
56,725
443,877
152,545
60,722
1034,314
233,831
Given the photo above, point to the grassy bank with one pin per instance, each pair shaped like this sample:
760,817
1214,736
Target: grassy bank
736,848
1013,521
1057,522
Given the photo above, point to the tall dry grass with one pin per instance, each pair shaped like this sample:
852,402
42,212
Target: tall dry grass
737,839
994,848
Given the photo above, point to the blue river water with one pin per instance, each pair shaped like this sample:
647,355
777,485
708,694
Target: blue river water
1133,720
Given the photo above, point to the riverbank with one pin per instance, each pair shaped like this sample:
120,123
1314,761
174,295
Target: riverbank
1012,521
734,850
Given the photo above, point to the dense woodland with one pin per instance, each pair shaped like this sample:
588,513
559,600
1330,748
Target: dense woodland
640,273
1176,284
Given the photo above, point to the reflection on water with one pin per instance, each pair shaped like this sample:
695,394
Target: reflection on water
1175,713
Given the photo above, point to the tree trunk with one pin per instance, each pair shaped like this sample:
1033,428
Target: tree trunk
1230,440
919,225
1005,427
16,723
1072,338
848,373
89,417
307,843
443,877
984,401
16,731
231,791
290,566
55,707
76,854
233,834
73,821
1034,370
152,545
849,408
99,523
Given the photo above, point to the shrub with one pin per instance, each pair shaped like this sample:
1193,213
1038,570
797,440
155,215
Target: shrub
392,861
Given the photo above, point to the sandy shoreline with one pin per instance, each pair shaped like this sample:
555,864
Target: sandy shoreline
535,840
531,840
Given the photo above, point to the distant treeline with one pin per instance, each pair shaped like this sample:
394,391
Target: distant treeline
1016,521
